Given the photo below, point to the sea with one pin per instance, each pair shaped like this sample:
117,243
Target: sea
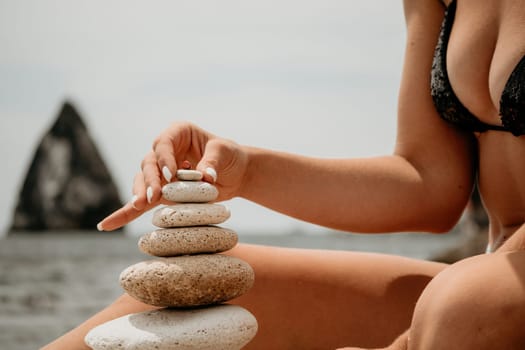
52,281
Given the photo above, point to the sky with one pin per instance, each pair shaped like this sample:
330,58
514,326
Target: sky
318,78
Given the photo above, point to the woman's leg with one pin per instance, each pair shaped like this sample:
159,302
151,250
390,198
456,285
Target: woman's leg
477,303
318,299
313,299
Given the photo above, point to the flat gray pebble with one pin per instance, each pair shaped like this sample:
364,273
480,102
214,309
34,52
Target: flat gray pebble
189,192
187,281
187,240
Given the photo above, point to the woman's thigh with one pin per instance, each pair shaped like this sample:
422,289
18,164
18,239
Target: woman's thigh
477,303
318,299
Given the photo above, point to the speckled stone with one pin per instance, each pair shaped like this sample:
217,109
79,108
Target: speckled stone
220,327
190,280
189,192
189,175
187,240
194,214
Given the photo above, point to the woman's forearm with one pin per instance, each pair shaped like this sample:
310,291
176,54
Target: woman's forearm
383,194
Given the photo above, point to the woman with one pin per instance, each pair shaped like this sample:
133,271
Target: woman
447,139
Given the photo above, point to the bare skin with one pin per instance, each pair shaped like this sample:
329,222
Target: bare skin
366,300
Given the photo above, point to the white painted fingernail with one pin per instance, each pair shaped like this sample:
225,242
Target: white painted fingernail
167,173
212,173
99,227
149,193
133,200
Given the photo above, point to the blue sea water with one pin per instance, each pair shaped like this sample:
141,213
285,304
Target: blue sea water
51,282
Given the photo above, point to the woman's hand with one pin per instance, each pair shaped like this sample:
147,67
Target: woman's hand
182,146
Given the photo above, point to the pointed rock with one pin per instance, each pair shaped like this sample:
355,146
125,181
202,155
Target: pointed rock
67,186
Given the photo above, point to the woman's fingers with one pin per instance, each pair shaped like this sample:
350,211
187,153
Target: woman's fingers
183,146
139,200
165,157
179,147
132,210
146,194
126,214
224,164
210,162
119,218
152,180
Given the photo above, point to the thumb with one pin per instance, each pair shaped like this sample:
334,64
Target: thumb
216,154
224,163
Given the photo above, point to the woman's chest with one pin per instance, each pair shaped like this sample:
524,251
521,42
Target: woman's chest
486,43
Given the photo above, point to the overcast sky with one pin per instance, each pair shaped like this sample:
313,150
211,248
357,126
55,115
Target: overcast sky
314,77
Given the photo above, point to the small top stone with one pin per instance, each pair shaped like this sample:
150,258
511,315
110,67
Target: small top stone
189,175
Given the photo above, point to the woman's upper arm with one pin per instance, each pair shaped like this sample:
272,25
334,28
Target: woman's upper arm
443,155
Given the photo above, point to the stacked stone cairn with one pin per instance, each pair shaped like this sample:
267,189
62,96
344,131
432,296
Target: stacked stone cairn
189,281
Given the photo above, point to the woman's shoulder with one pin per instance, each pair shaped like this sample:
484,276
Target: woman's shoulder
424,9
442,4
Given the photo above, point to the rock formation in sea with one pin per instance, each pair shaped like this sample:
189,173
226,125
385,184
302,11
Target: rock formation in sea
67,186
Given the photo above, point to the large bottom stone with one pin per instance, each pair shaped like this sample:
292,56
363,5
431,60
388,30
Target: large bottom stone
220,327
187,281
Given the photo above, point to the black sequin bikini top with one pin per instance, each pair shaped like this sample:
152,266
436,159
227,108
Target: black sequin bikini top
512,103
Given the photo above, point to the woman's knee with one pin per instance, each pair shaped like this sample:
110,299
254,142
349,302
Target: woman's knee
478,303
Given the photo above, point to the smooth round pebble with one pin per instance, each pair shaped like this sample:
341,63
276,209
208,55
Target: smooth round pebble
221,327
194,214
187,240
190,280
189,175
189,192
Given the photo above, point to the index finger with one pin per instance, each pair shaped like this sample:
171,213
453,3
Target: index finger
165,155
125,215
119,218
